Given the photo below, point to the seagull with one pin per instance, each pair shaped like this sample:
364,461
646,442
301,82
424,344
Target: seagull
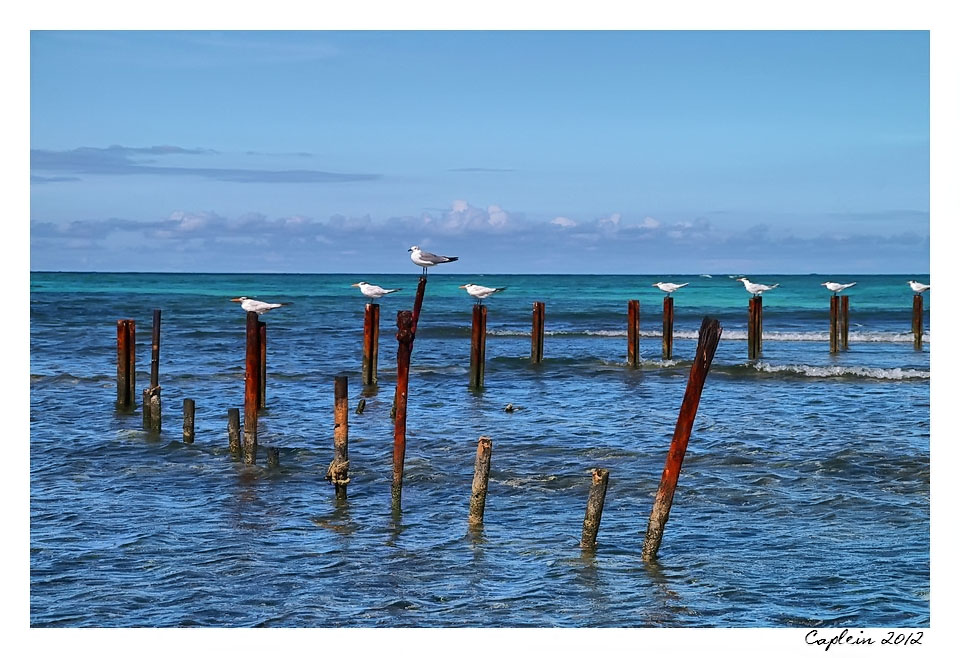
256,305
918,287
669,287
425,259
372,291
480,292
756,289
837,287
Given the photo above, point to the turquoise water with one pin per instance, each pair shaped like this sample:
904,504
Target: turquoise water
804,497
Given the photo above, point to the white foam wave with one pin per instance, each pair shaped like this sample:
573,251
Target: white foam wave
844,371
735,334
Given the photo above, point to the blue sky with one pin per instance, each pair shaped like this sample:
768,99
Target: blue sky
605,152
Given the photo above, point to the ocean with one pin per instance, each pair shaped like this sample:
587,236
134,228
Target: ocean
804,498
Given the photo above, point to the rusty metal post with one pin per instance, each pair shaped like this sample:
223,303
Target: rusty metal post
834,324
478,345
844,321
151,396
124,397
189,411
591,520
481,475
418,302
273,457
405,336
251,394
262,384
338,470
710,331
371,336
668,328
918,322
633,332
233,429
155,351
755,328
132,363
536,334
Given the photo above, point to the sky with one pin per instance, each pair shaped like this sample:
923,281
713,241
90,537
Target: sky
519,152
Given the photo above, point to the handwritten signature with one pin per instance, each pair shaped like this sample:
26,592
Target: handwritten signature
845,637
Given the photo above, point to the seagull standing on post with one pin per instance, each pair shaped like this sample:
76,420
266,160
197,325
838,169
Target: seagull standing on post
425,259
480,292
918,287
837,287
669,287
256,305
372,291
756,289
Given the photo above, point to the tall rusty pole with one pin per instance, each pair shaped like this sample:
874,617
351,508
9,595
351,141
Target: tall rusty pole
151,396
834,324
536,333
710,331
251,393
262,383
668,327
338,470
126,364
371,340
844,321
755,328
405,335
478,345
918,321
633,332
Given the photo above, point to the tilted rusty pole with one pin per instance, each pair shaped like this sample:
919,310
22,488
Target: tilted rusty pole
591,520
844,321
405,337
834,324
339,468
151,396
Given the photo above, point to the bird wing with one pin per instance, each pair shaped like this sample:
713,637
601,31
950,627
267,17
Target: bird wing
434,258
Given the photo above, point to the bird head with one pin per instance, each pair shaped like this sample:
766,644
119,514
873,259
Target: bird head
656,284
414,248
239,299
743,278
825,283
358,284
466,285
911,281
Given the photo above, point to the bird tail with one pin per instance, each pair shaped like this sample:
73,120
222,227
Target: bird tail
499,289
683,284
450,259
394,290
776,285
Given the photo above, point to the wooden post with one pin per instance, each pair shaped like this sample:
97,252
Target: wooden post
710,331
918,322
481,474
668,328
478,345
233,429
189,411
633,332
591,520
536,334
371,338
155,351
339,467
844,321
126,372
251,394
262,384
418,302
755,328
152,417
405,336
834,324
273,457
132,363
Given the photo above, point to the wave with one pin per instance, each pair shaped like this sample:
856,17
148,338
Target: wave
828,372
728,334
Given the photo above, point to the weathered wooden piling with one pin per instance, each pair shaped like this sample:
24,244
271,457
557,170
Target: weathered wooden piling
918,322
233,429
844,321
152,414
405,336
126,364
418,302
189,411
755,328
361,405
834,324
371,340
262,383
536,333
481,475
338,470
251,394
633,332
478,345
668,327
710,331
273,457
591,520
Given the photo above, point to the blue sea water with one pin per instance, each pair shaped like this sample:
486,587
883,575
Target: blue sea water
803,500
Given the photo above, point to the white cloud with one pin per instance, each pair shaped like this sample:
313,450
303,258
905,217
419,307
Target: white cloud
564,222
649,222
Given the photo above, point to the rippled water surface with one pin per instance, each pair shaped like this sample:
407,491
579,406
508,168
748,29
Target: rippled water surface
803,500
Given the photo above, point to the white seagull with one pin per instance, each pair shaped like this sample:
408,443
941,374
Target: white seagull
425,259
372,291
837,287
256,305
669,287
916,286
756,289
480,292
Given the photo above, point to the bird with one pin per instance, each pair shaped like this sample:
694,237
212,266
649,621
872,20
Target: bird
669,287
480,292
918,287
837,287
372,291
425,259
256,305
756,289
